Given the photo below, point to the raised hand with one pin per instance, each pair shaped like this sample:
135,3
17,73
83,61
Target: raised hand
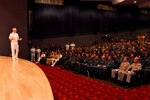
20,39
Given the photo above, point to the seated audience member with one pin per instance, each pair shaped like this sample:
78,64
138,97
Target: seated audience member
78,61
116,61
147,62
133,69
59,56
56,58
49,58
90,64
95,65
85,63
110,62
96,61
131,59
102,65
65,58
146,70
109,65
42,58
122,68
102,62
72,61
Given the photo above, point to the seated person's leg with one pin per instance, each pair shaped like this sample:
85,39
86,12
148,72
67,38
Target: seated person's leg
129,74
113,73
119,75
55,61
123,75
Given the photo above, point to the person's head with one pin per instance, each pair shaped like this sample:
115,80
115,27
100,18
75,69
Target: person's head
125,59
91,57
123,55
103,57
52,52
87,55
14,30
106,55
132,56
136,60
97,57
79,55
109,58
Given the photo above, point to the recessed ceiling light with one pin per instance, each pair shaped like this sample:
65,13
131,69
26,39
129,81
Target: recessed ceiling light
135,1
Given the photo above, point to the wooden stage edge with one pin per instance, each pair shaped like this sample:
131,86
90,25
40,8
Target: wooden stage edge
23,80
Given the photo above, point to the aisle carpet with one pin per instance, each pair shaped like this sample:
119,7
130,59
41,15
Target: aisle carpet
70,86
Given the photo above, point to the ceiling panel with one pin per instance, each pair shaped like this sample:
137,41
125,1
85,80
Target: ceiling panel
140,3
55,2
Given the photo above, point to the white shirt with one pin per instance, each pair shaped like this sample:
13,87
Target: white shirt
67,46
38,51
43,55
14,37
32,50
72,45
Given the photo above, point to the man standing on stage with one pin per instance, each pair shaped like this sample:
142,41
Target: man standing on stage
14,38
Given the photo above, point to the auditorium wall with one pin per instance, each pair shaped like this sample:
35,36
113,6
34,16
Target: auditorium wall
84,40
13,14
79,40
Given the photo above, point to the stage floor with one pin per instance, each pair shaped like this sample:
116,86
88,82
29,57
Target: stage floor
23,80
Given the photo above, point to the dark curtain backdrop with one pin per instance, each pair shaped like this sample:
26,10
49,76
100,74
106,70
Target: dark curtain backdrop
51,20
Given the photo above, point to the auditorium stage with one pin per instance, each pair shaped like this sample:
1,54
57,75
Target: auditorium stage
23,80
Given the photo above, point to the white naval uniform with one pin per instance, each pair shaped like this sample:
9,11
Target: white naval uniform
133,67
38,53
40,57
33,51
14,37
55,60
72,46
67,46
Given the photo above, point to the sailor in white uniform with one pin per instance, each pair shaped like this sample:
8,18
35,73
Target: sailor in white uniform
14,38
38,50
33,52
